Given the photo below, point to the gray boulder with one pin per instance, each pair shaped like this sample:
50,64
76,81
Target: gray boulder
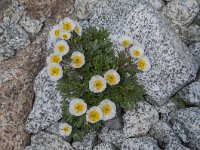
176,146
172,64
105,146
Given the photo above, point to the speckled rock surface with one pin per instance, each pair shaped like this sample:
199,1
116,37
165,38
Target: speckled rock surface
189,119
143,143
17,94
47,141
46,109
87,143
163,133
182,11
139,121
13,39
195,49
105,146
180,132
176,146
172,64
191,93
115,137
158,4
166,110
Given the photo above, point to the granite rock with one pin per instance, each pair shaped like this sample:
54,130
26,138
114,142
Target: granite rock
47,141
180,132
195,50
105,146
13,40
191,93
172,64
158,4
176,146
143,143
182,11
46,109
83,8
115,137
17,94
163,133
87,143
139,121
189,121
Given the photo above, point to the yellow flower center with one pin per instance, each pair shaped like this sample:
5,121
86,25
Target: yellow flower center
54,71
136,53
65,36
67,25
77,29
61,48
106,109
55,59
98,84
125,43
111,79
94,116
79,107
65,129
77,60
141,64
56,32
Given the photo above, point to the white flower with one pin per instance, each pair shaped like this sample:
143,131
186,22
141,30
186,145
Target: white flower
54,58
61,47
54,71
112,77
126,41
78,59
67,24
97,84
78,28
65,35
55,32
65,129
77,107
143,63
136,51
108,108
94,114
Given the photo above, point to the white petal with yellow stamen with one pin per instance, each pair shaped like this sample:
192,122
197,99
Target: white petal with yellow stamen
136,51
54,71
143,63
55,32
65,35
94,114
67,24
78,59
65,129
54,58
126,41
61,47
108,108
112,77
78,28
97,84
77,107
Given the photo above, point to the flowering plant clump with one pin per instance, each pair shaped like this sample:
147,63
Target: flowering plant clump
92,77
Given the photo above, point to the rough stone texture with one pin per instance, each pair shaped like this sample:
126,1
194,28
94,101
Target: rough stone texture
172,64
182,11
176,146
116,122
195,49
139,121
83,8
14,38
54,128
87,143
191,93
158,4
189,121
47,141
46,109
105,146
179,130
166,110
16,90
143,143
162,132
115,137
